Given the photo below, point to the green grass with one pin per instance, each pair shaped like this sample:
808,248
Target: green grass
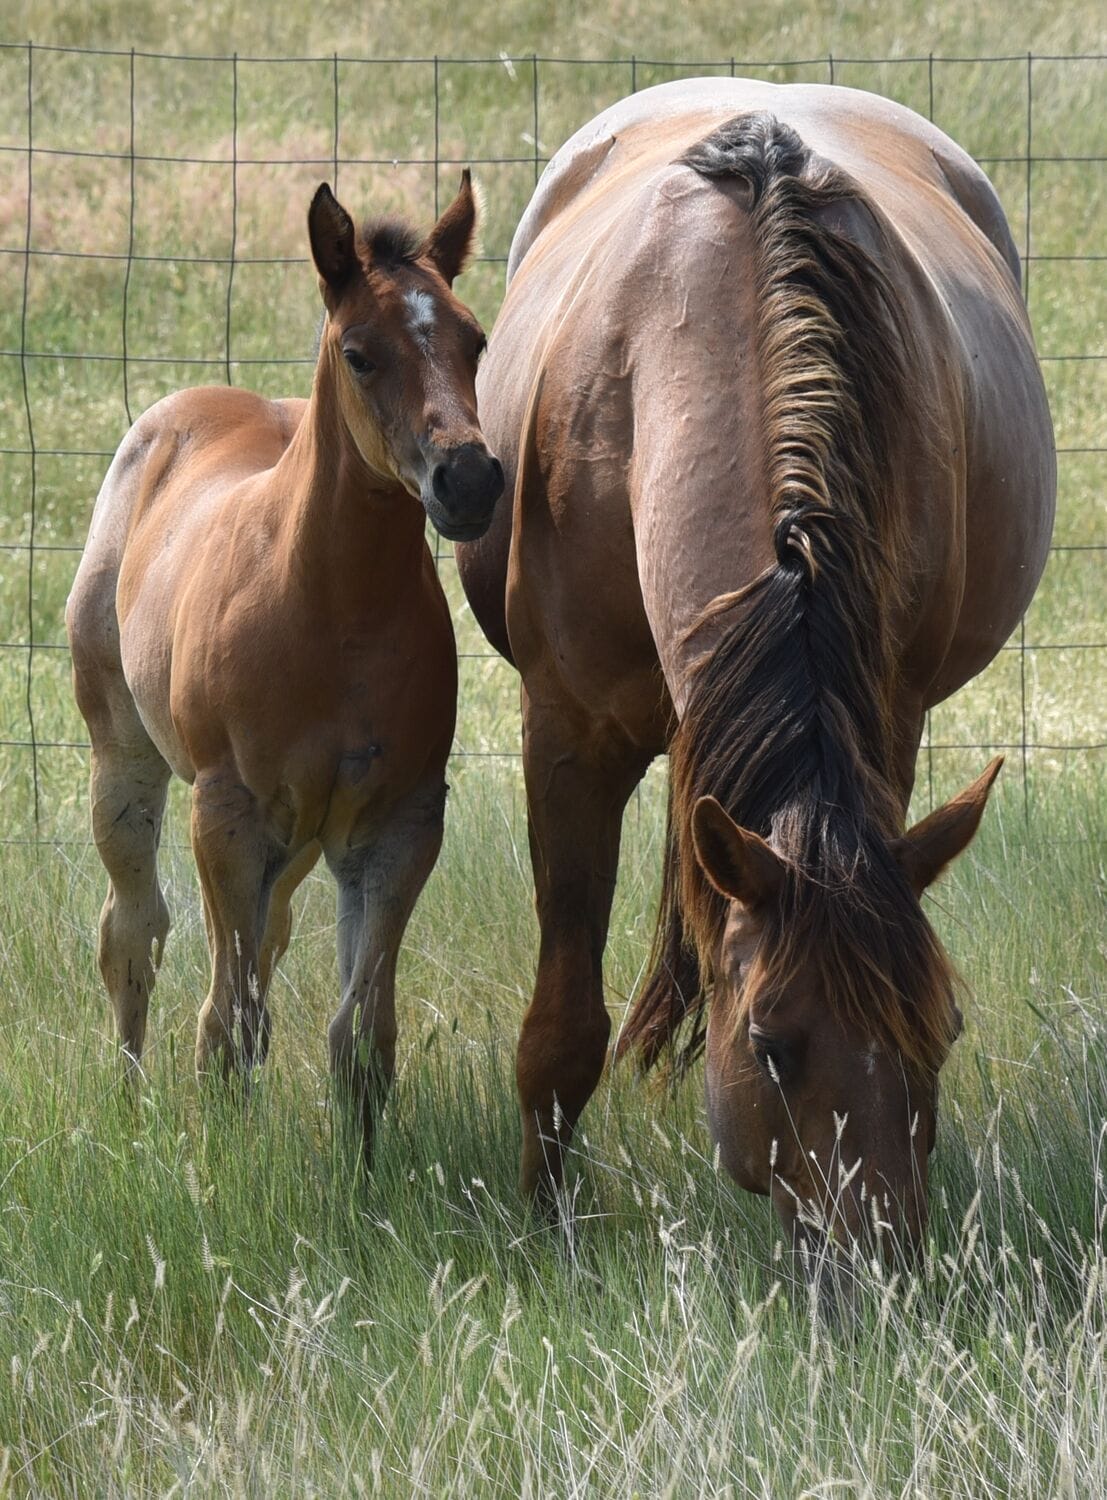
171,312
208,1301
211,1300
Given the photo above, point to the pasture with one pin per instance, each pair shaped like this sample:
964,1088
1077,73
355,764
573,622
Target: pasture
200,1300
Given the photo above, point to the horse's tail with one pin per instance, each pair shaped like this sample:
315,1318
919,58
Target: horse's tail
673,993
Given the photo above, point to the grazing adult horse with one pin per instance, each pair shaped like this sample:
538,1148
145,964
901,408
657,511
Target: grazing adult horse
783,477
257,610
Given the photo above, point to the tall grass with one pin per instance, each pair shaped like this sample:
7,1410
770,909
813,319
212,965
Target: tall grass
211,1300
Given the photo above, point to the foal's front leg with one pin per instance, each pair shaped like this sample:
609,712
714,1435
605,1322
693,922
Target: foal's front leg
237,864
378,884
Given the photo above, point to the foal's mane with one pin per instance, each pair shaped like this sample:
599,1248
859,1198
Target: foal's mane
788,719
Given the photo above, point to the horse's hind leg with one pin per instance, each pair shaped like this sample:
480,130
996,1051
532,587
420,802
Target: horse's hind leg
579,776
128,789
378,885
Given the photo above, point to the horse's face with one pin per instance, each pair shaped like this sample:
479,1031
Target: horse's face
404,352
808,1101
811,1108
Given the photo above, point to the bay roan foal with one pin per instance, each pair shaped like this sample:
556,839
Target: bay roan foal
257,610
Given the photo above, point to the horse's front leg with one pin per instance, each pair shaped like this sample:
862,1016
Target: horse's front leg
237,864
579,775
379,881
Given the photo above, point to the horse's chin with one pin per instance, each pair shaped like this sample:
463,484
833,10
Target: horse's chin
454,531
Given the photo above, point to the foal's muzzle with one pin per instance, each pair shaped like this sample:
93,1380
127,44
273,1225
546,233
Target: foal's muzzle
465,483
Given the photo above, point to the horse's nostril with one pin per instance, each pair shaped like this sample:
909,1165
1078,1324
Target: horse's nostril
440,483
497,485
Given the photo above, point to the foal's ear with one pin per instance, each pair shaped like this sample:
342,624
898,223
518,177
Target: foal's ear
332,238
450,243
924,851
738,863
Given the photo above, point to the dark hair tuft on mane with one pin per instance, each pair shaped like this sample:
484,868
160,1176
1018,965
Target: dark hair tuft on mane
756,147
391,242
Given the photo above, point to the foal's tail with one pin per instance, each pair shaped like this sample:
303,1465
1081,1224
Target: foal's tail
673,994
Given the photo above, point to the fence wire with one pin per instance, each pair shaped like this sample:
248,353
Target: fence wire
71,381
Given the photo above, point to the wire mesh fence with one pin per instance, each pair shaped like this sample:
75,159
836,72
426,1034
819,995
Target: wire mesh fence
152,236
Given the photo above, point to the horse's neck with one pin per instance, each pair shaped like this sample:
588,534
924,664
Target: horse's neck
350,536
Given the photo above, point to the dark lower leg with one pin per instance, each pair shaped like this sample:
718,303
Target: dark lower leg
235,869
128,798
576,792
378,886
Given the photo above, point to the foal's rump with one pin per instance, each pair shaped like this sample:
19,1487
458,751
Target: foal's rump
182,461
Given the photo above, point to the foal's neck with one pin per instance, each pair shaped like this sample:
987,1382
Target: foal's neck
352,535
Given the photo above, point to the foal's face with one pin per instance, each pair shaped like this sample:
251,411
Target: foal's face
808,1103
404,352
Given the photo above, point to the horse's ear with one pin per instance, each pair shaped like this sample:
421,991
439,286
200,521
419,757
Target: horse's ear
738,863
924,851
450,243
332,238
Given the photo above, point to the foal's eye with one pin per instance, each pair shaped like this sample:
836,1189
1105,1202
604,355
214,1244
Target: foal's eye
358,362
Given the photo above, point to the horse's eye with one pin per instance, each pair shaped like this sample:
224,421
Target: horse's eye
358,362
481,348
774,1057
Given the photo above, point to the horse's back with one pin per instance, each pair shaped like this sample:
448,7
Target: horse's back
628,261
888,147
179,457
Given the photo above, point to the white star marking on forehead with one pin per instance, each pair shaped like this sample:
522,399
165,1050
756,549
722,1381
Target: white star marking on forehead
420,316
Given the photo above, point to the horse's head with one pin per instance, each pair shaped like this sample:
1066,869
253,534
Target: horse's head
404,354
832,1013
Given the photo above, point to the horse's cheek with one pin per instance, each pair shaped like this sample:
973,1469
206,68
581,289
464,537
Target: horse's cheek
735,1120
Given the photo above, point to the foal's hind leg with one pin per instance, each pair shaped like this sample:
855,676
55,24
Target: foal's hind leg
128,788
579,775
378,885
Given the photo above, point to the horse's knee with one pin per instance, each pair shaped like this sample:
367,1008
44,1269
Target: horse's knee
562,1062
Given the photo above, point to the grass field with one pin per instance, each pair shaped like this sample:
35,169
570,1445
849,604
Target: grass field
200,1301
209,1305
